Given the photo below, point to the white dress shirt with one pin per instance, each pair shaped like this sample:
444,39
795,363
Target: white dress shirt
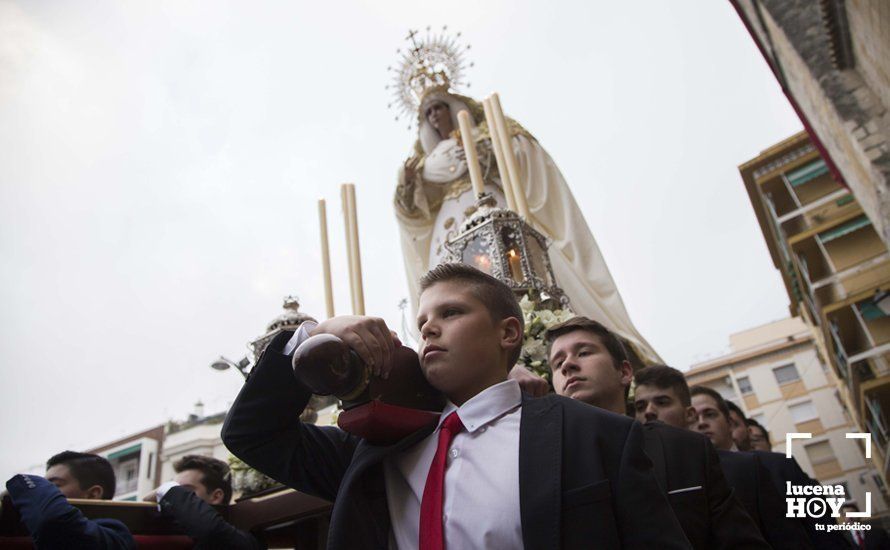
481,506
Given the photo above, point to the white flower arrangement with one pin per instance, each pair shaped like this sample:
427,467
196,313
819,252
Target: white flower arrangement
537,321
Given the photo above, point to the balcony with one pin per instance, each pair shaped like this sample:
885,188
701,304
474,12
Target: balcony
875,398
858,338
804,196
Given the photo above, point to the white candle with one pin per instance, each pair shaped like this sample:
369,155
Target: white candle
356,252
466,135
347,225
507,147
499,154
325,258
515,266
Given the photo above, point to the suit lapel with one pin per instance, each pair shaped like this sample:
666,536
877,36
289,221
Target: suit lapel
365,483
654,447
540,472
367,454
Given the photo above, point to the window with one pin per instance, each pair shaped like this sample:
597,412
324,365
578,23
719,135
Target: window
745,385
802,412
820,452
786,374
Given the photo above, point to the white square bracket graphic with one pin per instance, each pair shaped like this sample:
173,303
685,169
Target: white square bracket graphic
867,438
867,512
789,437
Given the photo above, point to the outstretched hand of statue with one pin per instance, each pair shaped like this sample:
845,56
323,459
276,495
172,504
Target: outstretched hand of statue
459,152
411,166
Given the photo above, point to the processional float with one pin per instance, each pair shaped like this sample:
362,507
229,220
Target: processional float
500,241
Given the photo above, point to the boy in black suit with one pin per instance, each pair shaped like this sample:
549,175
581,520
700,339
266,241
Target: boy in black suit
589,363
515,472
202,482
42,503
747,473
782,470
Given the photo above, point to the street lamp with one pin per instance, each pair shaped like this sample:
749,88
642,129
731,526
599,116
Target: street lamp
223,364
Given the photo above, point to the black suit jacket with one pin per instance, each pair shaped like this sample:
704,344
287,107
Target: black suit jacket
875,539
782,469
202,523
755,490
584,480
54,523
688,470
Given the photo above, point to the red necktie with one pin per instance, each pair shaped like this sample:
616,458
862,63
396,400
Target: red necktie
860,539
432,536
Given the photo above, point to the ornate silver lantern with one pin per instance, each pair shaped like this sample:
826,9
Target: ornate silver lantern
291,319
500,243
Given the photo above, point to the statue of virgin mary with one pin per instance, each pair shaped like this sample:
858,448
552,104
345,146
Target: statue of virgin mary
434,196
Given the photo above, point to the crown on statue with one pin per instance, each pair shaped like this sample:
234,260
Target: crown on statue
432,63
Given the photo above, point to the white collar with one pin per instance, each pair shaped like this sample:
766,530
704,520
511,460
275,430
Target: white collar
486,406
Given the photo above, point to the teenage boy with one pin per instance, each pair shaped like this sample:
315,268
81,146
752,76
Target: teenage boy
747,473
201,483
42,503
784,470
515,472
589,363
740,435
663,394
759,436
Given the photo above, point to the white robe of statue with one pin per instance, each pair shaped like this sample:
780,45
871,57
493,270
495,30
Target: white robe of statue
431,208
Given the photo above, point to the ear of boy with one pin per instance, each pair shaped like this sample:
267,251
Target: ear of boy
511,336
529,382
216,497
368,336
95,492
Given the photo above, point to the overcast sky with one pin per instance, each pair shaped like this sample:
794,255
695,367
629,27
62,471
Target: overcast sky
160,164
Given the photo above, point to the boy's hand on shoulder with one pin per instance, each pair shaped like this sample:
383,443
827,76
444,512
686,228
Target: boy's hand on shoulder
530,382
368,336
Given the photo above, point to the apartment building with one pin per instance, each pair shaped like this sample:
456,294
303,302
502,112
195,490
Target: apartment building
776,375
836,271
136,460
